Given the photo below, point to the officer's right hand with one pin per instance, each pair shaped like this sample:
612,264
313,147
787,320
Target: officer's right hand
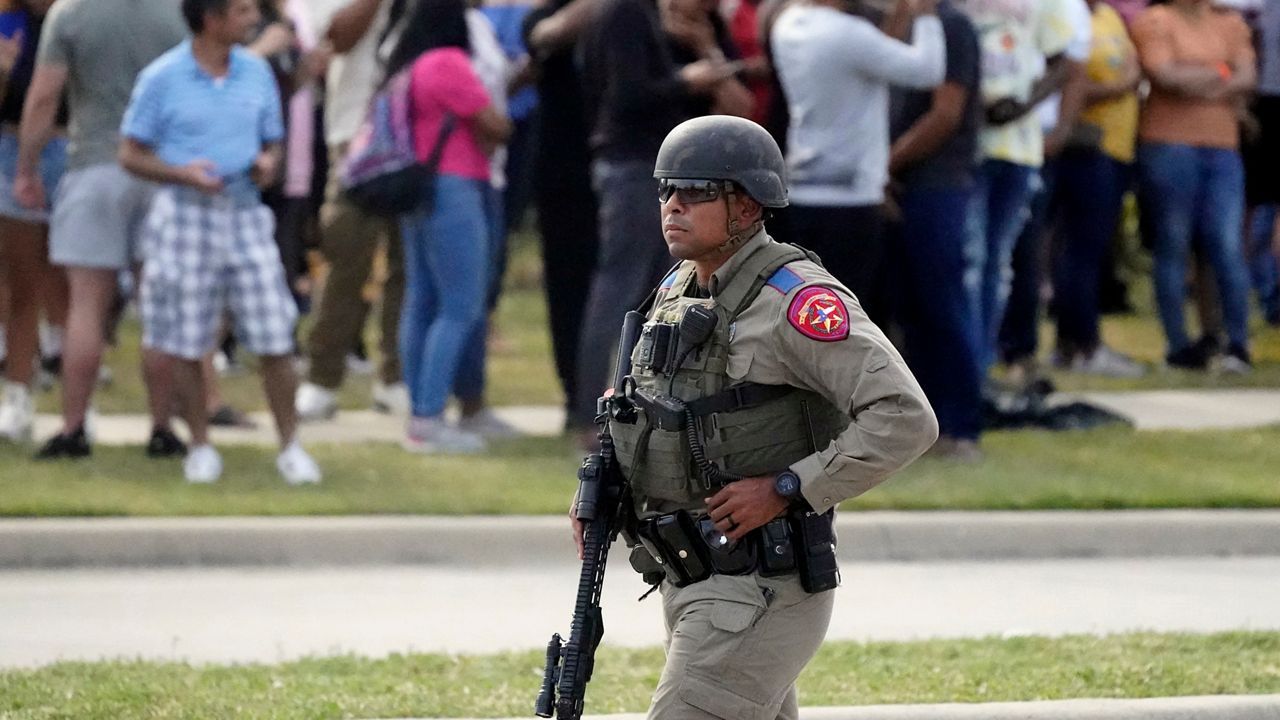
579,528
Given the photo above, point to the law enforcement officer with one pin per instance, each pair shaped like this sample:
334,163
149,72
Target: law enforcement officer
761,397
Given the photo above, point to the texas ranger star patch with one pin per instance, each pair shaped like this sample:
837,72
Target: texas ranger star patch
819,314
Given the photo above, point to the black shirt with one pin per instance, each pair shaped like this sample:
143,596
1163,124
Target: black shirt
633,95
15,94
562,152
954,163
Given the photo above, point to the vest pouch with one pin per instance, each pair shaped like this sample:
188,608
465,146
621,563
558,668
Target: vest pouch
657,462
767,438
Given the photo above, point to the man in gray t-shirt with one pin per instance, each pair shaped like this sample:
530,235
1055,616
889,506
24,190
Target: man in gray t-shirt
94,49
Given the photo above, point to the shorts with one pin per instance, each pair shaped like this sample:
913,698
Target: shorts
97,218
53,163
206,255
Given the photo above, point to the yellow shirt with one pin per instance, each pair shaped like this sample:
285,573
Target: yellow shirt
1111,53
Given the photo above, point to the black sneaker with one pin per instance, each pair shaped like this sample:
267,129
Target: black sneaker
164,444
1191,357
74,444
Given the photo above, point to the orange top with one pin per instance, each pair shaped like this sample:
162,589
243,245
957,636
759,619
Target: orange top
1219,41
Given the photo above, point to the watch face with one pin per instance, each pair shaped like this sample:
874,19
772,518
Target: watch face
788,484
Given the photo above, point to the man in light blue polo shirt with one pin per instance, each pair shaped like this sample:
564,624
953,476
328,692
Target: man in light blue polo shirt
205,122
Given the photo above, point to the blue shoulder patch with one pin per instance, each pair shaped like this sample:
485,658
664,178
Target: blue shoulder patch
669,280
784,280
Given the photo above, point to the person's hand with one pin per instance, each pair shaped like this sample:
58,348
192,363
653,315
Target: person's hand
745,505
316,63
579,527
1055,141
203,176
10,49
1005,111
703,75
697,34
28,190
265,170
274,39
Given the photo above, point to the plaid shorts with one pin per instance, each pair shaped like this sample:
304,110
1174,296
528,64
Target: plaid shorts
202,256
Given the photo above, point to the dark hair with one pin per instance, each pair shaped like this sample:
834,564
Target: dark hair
429,25
195,10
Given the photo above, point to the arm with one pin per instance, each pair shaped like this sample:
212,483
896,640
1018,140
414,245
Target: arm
561,28
1073,103
932,130
1097,92
142,161
492,127
921,64
351,23
38,117
266,167
731,97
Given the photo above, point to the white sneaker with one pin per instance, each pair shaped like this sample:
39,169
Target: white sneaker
1105,362
313,402
430,436
296,466
487,424
391,399
202,465
17,413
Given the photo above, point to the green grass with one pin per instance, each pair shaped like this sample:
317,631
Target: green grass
1098,469
986,670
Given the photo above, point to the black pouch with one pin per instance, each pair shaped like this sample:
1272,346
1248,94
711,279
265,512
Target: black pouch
655,345
727,557
816,550
674,538
777,553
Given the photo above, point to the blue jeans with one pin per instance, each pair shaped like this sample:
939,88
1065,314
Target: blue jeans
1195,193
1264,271
470,381
446,262
938,324
1091,187
998,211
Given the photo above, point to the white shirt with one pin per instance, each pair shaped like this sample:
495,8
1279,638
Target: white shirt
353,76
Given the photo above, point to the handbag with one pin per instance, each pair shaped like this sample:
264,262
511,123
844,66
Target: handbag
381,173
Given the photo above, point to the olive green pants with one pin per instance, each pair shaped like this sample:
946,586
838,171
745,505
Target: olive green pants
349,240
735,646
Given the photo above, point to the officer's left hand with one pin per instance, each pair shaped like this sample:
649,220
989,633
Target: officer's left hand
745,505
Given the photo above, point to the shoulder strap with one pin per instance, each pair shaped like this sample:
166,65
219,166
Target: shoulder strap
446,129
755,273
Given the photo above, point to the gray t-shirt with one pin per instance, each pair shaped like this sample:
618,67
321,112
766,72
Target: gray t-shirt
104,44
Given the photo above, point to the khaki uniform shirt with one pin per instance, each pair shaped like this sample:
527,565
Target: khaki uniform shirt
846,359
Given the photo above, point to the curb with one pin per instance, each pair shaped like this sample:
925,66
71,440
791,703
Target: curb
1220,707
525,540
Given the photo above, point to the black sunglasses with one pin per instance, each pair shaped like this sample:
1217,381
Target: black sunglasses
690,192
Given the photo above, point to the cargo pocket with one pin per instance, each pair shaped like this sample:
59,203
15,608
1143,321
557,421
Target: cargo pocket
714,680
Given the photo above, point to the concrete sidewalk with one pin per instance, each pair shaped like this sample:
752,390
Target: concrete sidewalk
1224,707
1148,410
523,540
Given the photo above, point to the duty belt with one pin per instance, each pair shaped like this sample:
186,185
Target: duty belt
690,550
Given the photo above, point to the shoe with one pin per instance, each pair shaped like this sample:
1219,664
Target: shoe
1236,361
431,436
296,466
391,399
313,402
487,424
1191,357
229,417
164,444
1105,362
203,465
359,366
74,444
17,413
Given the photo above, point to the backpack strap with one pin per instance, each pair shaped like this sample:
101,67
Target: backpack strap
437,150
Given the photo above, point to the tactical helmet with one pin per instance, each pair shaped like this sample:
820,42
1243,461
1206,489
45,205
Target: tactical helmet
724,147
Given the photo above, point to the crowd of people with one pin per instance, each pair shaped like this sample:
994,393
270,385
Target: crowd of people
961,165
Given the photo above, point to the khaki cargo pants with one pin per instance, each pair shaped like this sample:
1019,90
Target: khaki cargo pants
735,646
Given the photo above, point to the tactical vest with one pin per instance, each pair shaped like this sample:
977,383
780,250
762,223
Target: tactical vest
744,429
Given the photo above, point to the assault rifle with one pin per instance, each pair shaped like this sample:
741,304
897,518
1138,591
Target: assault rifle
602,496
